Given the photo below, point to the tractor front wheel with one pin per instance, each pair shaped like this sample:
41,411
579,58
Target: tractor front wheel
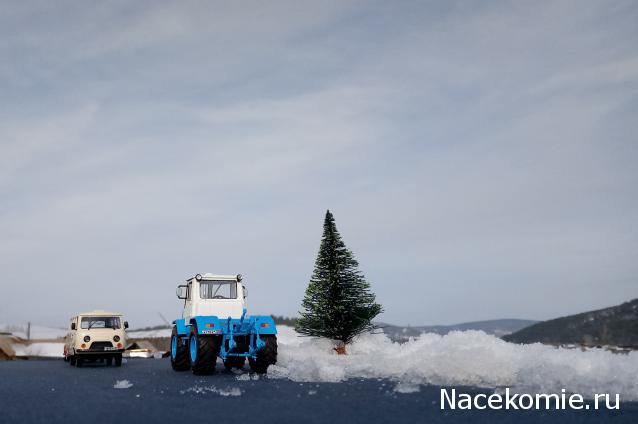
266,356
203,351
180,360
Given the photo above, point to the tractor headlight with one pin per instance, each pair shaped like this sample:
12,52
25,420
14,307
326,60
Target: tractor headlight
87,339
116,338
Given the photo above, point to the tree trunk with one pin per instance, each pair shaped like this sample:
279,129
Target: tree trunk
340,349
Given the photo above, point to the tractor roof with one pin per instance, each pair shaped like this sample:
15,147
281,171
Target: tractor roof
215,277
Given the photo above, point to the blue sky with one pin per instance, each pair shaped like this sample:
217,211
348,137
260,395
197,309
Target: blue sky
480,158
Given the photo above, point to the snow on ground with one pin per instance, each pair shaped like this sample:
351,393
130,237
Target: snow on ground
228,391
149,334
407,388
37,331
246,377
470,358
41,350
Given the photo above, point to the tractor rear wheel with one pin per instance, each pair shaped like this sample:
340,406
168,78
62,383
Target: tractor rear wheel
266,356
203,351
180,360
234,362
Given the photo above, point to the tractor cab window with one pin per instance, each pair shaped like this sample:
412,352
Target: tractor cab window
100,322
218,289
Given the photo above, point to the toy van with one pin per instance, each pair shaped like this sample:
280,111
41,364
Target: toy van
95,336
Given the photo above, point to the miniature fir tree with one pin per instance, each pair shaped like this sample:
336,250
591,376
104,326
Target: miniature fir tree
338,304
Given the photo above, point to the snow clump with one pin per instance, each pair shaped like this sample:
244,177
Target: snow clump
228,391
122,384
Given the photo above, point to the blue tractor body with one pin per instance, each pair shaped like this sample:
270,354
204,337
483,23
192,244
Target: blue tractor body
253,328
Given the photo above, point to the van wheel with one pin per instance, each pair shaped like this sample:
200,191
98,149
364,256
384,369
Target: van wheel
180,360
109,361
118,360
79,361
203,351
72,360
266,356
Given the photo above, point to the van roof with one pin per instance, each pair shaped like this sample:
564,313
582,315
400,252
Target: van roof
100,313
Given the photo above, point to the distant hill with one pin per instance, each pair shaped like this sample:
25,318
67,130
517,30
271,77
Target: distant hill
616,326
497,327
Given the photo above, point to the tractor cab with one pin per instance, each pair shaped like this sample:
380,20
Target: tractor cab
211,294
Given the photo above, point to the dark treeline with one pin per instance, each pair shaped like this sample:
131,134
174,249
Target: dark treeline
282,320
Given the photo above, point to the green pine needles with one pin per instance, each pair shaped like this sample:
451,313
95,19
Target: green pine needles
338,304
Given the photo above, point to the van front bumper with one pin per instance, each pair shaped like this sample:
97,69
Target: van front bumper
99,351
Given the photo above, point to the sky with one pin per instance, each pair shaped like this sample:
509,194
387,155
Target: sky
480,158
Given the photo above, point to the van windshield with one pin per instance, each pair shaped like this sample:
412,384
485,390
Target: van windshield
218,290
100,322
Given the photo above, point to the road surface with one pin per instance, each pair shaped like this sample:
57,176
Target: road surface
51,391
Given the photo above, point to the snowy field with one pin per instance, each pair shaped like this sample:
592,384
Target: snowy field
149,334
468,358
44,333
37,331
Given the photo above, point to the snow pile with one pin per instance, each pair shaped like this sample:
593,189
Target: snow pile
122,384
470,358
228,391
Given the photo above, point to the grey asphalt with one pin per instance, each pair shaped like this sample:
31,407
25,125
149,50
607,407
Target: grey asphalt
52,392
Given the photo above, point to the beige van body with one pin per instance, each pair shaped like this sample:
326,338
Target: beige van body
96,335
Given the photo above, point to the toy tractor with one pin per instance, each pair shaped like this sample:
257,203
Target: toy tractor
214,324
